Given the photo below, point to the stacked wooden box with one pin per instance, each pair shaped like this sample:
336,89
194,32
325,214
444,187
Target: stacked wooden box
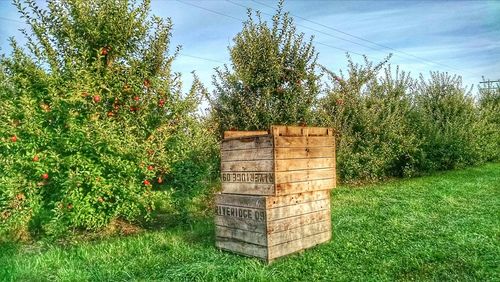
276,185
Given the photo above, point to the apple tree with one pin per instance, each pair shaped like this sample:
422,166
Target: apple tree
92,117
272,79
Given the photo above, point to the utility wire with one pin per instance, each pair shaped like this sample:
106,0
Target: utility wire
361,38
372,42
11,20
201,58
241,20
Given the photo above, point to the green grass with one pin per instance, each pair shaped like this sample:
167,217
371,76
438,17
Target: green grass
440,227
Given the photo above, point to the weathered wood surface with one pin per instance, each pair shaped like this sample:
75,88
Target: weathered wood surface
248,188
236,134
264,141
236,234
256,202
250,166
287,248
296,210
304,152
297,221
247,155
302,164
304,186
272,226
241,247
284,130
301,142
298,233
294,199
304,175
248,224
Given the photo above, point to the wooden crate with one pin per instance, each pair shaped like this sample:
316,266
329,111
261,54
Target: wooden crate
269,227
282,161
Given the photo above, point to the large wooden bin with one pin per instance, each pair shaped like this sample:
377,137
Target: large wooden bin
286,160
275,197
269,227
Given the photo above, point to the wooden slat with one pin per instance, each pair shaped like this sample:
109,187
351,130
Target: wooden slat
295,210
285,130
235,134
305,152
294,199
298,233
280,250
303,164
286,141
299,187
297,221
243,166
241,247
241,235
260,177
304,175
247,155
244,224
313,141
248,188
256,202
265,141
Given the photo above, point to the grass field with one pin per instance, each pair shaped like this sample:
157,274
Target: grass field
440,227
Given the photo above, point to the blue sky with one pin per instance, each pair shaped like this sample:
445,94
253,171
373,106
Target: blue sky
460,37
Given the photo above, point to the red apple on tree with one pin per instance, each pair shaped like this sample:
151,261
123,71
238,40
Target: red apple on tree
146,182
97,98
13,138
35,158
150,167
45,176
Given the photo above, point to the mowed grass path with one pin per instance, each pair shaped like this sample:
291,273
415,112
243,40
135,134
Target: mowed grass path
440,227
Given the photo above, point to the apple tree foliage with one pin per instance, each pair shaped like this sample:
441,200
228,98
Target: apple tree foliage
272,79
92,118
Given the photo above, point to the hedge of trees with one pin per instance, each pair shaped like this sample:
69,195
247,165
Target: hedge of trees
95,127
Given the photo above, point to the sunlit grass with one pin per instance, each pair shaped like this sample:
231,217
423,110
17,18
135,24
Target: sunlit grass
440,227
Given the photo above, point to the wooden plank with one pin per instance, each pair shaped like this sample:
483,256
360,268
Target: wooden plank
255,142
298,233
295,210
303,164
286,141
241,247
243,166
294,199
256,202
247,155
280,250
286,130
320,141
304,175
305,152
304,186
248,188
297,221
236,134
313,141
260,177
241,235
239,223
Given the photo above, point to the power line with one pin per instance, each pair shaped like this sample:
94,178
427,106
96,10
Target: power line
363,39
201,58
11,20
310,28
241,20
210,10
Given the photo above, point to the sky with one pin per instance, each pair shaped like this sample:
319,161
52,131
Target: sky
458,37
